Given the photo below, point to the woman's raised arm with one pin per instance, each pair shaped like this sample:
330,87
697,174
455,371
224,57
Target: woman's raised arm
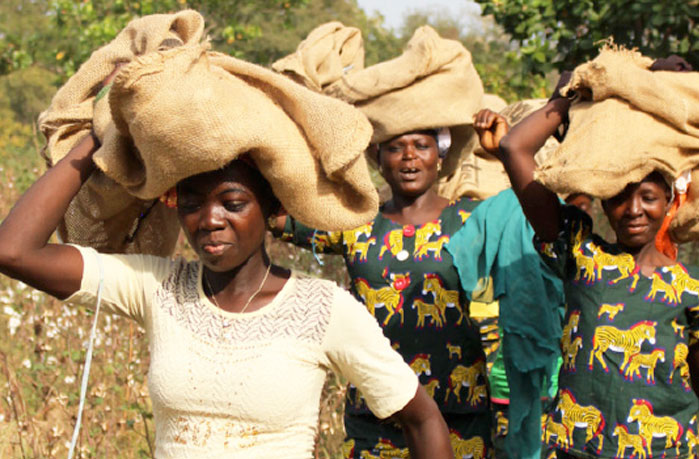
516,151
25,253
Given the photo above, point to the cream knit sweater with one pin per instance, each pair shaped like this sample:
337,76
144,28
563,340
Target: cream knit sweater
244,385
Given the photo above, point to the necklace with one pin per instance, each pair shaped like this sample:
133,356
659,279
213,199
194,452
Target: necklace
247,303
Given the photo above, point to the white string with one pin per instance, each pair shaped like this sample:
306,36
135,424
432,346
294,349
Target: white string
88,362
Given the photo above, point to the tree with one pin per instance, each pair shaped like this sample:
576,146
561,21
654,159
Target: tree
561,34
61,34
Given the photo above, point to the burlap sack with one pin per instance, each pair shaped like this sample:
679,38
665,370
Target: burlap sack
103,215
185,111
481,175
478,174
432,84
330,51
638,121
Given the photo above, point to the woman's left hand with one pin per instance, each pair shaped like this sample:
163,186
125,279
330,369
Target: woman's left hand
491,128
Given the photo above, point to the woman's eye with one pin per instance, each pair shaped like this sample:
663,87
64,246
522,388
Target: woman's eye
234,206
422,146
393,149
185,206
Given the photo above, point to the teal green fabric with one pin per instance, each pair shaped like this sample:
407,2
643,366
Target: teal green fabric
496,241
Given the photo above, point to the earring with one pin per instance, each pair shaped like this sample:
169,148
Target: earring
272,223
380,169
439,167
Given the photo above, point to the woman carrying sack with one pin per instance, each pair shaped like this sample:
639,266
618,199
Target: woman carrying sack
421,106
632,317
239,347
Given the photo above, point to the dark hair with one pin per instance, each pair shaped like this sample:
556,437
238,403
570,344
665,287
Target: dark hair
262,185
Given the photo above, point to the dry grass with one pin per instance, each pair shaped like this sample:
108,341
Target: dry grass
42,351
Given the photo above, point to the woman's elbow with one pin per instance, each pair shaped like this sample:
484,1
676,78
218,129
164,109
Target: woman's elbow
10,257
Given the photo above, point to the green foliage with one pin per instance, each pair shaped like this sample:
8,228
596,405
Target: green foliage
69,30
560,34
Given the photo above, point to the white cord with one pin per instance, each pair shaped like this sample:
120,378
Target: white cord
88,362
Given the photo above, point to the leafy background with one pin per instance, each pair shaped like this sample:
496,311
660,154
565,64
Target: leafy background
518,50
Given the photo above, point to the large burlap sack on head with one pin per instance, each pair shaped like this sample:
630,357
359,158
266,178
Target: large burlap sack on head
637,121
103,215
330,51
432,84
185,111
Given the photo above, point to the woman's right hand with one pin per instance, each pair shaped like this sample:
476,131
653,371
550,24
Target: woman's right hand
491,128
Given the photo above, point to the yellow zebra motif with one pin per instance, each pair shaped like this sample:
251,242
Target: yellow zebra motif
389,297
554,429
624,263
692,441
421,364
454,349
424,233
679,362
570,354
502,424
350,237
650,426
443,298
628,440
362,249
431,386
659,285
472,448
677,328
585,264
647,361
570,328
433,246
387,450
465,376
628,341
392,242
347,449
587,417
681,281
611,309
427,309
464,215
479,392
324,240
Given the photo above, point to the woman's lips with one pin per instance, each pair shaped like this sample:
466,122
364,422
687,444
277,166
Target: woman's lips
636,228
409,174
214,248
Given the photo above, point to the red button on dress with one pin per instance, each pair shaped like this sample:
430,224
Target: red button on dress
408,231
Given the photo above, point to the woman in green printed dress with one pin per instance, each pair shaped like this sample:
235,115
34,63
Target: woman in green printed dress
632,321
401,272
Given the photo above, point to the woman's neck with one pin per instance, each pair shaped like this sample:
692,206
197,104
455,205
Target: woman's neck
233,290
414,210
648,258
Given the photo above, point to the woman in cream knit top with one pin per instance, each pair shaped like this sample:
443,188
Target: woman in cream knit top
239,347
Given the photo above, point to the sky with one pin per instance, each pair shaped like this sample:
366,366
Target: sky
394,10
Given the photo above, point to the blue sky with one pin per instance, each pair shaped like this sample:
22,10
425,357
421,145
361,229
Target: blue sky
394,10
